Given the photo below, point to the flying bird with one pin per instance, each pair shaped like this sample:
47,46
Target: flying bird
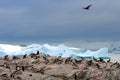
88,7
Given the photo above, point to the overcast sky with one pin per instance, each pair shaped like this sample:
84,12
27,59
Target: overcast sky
59,19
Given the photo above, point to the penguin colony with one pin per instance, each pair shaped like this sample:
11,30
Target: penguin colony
38,67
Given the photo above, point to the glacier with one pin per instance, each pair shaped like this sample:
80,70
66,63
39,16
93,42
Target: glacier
56,51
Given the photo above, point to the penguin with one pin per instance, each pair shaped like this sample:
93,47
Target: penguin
90,62
24,56
38,53
109,60
17,68
30,74
95,59
6,65
5,77
82,58
98,66
6,57
23,68
15,57
114,64
101,60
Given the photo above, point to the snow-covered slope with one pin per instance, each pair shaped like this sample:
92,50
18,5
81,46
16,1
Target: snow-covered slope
10,48
58,51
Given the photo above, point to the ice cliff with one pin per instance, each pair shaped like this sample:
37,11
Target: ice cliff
57,51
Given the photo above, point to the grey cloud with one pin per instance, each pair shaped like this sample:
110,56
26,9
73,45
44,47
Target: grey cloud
60,19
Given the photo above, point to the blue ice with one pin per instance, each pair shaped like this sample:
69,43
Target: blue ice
58,51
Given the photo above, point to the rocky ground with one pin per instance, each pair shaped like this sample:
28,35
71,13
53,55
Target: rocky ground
38,67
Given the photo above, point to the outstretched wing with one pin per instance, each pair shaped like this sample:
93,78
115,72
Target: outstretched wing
87,8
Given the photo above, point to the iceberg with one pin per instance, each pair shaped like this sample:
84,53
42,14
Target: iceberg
56,51
7,49
101,53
